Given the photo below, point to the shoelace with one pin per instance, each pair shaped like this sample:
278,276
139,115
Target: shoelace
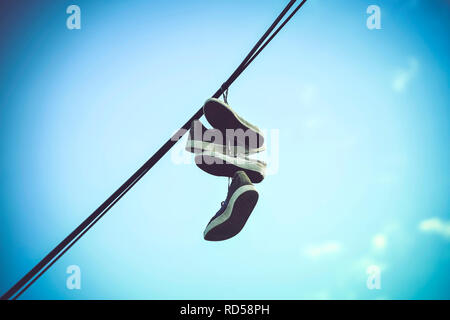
229,184
225,96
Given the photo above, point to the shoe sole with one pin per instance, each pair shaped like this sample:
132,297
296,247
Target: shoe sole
222,117
228,166
233,219
196,146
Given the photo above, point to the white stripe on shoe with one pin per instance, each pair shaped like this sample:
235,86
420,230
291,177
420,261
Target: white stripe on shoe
229,210
197,146
220,164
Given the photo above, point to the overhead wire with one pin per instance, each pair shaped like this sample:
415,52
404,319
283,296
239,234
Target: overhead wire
37,271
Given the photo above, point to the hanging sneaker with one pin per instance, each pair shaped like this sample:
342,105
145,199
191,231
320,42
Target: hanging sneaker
237,207
223,165
202,139
245,135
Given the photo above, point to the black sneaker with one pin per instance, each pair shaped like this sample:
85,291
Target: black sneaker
237,207
223,165
222,117
202,139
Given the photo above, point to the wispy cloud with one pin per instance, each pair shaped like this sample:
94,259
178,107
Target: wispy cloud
437,226
379,241
404,76
327,248
363,263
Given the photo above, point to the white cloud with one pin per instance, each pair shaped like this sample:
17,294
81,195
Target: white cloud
436,225
379,241
404,76
363,263
327,248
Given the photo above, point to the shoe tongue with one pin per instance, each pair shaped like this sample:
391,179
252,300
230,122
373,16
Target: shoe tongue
236,182
238,177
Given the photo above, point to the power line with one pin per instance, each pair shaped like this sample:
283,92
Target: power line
23,284
276,32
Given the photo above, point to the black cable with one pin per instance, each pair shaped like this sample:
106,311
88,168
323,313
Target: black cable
276,32
23,284
244,64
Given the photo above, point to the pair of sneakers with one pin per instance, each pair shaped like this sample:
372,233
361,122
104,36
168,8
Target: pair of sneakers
224,151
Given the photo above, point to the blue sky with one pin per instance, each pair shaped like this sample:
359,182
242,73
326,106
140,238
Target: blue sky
362,168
